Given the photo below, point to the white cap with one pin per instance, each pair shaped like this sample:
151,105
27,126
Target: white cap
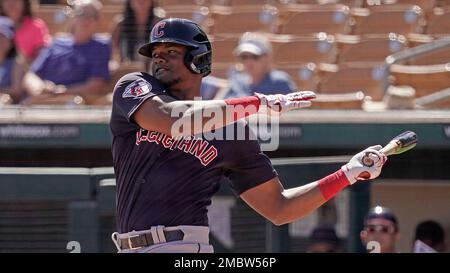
256,44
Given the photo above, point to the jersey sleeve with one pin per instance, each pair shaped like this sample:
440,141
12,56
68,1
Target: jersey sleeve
248,166
130,92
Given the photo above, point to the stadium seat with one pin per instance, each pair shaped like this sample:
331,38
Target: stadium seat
117,71
240,2
198,14
440,56
401,19
223,47
425,79
113,3
107,18
55,16
305,19
99,100
163,3
440,99
350,78
319,48
54,99
426,5
58,17
304,75
352,100
439,23
368,48
241,19
222,70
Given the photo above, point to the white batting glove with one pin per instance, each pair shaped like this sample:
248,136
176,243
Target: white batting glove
355,170
279,103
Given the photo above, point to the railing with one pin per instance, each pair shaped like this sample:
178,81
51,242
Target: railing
411,53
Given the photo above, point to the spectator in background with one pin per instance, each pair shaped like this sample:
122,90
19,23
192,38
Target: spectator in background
255,53
11,70
31,32
323,239
75,64
132,29
429,237
381,231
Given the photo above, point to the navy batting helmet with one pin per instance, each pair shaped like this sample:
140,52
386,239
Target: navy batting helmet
183,32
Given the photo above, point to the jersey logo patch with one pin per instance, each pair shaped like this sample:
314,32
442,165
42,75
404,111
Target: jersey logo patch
137,89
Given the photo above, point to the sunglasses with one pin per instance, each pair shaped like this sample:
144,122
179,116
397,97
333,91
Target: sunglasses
249,57
379,229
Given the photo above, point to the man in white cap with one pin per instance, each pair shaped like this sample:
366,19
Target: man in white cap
255,53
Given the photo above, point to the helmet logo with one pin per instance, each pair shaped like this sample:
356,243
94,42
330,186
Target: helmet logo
159,30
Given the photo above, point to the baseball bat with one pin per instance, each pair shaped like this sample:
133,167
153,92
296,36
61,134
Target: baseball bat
399,144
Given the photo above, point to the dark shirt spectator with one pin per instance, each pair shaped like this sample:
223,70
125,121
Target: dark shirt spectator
429,237
66,62
323,239
76,64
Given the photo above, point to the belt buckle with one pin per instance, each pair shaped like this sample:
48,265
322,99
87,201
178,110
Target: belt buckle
130,244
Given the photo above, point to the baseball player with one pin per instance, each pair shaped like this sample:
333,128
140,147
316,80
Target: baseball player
166,178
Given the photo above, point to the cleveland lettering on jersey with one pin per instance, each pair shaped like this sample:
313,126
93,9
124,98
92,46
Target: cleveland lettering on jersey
200,148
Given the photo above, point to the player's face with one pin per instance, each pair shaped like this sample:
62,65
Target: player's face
168,64
384,234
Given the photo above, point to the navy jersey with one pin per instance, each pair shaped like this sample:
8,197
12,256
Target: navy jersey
170,181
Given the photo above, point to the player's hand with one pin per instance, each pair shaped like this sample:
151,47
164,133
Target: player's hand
279,103
355,170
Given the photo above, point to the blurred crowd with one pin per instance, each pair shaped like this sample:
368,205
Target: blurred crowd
80,63
76,66
380,234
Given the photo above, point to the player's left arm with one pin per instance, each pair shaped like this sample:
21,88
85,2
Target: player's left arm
282,206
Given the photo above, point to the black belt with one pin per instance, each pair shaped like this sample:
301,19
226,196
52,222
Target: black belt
146,239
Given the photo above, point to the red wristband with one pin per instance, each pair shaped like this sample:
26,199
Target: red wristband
243,107
332,184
